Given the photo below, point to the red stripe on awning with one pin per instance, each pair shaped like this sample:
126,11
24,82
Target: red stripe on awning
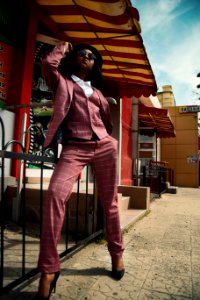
113,28
75,11
157,120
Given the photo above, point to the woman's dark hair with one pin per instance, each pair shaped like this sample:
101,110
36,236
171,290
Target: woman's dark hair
68,65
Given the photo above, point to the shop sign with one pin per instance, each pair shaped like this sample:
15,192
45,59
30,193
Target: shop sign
193,159
5,70
189,109
146,145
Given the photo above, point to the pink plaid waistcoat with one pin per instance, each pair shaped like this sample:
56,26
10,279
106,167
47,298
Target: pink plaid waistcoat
84,118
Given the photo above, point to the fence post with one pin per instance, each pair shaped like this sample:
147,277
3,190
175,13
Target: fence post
144,176
17,199
2,205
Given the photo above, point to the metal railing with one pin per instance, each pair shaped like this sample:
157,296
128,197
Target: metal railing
20,236
156,176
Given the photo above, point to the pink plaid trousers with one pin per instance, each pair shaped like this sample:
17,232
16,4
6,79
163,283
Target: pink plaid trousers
102,155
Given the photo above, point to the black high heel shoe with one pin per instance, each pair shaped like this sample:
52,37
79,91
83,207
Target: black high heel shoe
52,287
117,268
117,274
53,283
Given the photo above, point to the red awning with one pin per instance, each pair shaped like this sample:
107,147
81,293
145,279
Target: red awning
113,28
157,120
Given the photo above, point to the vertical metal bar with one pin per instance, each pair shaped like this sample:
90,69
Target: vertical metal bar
67,226
41,197
98,212
159,182
156,147
41,174
77,209
41,186
23,199
93,205
2,205
144,175
86,201
16,202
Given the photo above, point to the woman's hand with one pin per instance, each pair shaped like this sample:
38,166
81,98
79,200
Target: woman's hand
67,47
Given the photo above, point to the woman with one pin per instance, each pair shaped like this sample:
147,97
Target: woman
82,113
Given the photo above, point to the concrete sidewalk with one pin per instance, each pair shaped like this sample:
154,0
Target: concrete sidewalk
162,258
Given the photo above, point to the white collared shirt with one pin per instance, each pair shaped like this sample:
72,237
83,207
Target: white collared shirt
85,85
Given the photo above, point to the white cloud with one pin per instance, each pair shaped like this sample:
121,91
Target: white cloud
183,60
155,14
180,71
171,37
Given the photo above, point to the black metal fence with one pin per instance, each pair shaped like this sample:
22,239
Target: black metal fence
156,176
20,235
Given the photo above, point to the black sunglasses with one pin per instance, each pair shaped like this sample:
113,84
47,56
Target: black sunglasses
89,55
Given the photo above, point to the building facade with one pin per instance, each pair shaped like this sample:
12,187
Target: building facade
181,152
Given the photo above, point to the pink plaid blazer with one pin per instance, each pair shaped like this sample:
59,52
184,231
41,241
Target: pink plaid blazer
62,89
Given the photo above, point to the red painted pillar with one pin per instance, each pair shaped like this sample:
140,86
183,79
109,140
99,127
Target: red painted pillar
21,78
126,152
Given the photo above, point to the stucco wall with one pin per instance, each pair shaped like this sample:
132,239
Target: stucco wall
176,150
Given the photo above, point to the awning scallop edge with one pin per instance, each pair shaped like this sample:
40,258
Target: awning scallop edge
155,120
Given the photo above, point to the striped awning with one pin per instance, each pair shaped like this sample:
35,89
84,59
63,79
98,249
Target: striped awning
155,120
110,26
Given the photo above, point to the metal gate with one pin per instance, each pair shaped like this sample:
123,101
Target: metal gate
20,237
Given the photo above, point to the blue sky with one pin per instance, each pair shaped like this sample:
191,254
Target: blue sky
171,35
